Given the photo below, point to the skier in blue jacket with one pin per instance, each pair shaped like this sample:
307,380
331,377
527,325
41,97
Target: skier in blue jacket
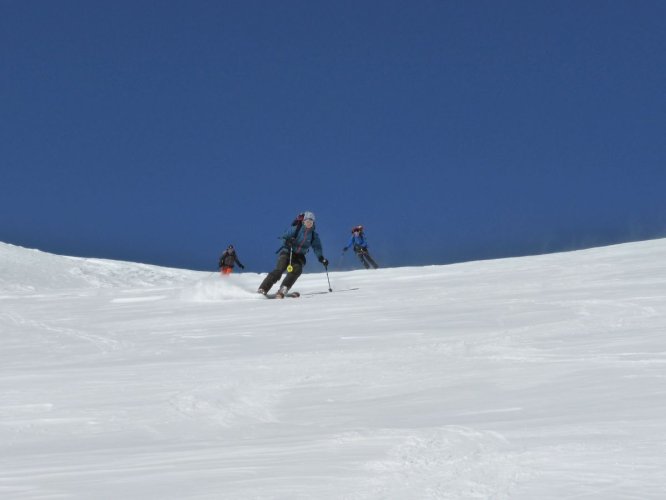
360,246
298,240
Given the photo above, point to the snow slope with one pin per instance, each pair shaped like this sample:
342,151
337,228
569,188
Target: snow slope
538,377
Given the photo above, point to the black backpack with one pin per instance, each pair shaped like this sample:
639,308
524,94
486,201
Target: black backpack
298,221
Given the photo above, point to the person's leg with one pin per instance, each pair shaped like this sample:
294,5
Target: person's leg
297,263
274,276
371,260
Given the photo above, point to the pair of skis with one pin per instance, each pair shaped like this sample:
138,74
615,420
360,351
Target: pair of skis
290,295
295,295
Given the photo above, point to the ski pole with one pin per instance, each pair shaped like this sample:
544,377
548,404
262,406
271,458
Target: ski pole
329,281
290,268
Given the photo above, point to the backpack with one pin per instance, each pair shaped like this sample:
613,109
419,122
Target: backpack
298,221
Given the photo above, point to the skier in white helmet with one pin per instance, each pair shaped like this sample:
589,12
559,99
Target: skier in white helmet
297,242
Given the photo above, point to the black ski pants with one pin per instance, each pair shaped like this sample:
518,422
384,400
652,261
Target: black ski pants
297,262
365,258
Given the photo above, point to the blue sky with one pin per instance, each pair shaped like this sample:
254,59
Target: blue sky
160,132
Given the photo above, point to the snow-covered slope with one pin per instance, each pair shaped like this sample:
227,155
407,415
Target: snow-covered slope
537,377
23,270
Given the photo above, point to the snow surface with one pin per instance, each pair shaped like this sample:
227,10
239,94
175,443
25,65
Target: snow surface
529,378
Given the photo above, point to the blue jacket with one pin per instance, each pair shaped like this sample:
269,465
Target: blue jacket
357,241
304,239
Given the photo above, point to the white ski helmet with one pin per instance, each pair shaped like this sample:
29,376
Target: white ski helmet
309,216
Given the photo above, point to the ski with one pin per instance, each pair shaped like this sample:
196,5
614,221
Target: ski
290,295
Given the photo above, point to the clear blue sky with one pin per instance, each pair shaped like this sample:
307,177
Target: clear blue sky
161,131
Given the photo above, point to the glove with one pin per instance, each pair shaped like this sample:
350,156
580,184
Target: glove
241,266
324,261
344,249
290,242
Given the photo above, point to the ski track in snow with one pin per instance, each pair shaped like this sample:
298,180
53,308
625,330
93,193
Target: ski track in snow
536,377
